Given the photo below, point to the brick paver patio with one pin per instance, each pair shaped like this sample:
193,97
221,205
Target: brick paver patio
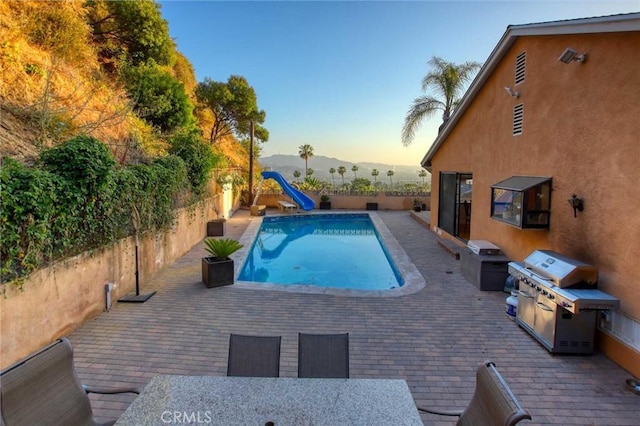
434,338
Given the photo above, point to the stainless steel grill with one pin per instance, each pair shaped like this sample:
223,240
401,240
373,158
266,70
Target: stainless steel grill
558,301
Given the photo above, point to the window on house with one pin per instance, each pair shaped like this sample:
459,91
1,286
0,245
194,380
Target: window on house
522,201
521,61
518,119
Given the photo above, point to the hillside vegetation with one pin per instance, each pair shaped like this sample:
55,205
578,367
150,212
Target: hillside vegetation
102,125
103,69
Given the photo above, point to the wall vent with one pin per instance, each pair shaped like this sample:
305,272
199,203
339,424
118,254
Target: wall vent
622,327
521,61
518,118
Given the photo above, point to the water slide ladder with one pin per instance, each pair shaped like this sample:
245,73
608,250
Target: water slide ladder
258,192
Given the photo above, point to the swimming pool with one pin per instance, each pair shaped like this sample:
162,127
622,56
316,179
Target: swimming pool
342,251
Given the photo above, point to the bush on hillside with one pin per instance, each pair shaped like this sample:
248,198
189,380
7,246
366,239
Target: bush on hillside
133,31
198,157
159,98
82,161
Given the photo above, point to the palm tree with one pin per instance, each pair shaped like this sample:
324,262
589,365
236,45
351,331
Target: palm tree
305,152
332,171
390,173
375,174
341,171
310,172
296,174
447,81
423,174
354,169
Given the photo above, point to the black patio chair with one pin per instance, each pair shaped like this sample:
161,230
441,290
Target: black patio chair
43,388
323,355
493,402
254,356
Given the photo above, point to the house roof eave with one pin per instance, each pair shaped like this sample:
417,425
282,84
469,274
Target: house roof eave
601,24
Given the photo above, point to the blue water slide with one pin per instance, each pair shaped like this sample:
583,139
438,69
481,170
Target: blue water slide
300,198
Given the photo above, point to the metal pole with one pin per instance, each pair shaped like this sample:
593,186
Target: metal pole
136,298
137,269
251,165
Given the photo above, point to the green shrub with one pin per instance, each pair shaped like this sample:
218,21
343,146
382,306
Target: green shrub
82,161
137,25
33,69
159,98
199,159
28,203
79,201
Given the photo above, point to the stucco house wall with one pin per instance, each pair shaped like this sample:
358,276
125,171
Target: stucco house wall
581,128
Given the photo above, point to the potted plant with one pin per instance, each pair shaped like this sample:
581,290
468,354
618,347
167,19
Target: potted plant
417,204
325,204
217,269
215,227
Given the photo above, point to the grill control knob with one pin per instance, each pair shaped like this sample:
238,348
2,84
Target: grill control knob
551,296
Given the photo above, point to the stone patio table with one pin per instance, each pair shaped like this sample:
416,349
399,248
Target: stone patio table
271,401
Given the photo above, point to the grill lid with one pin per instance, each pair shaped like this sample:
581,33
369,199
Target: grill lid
560,270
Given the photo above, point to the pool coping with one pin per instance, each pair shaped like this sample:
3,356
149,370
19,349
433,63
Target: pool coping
413,279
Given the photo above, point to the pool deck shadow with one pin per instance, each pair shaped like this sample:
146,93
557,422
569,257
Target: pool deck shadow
433,338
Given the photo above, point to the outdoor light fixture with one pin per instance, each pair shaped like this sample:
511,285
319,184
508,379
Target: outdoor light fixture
570,55
512,93
576,203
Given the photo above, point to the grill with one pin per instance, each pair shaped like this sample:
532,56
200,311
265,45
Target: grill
558,301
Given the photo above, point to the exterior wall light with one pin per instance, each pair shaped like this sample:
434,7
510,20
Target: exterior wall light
512,92
570,55
576,203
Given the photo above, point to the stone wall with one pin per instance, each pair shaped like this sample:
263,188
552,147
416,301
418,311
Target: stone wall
353,202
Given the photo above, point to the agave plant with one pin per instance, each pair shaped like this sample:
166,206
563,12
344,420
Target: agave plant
221,248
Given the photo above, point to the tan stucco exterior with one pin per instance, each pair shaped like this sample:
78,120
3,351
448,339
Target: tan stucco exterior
581,128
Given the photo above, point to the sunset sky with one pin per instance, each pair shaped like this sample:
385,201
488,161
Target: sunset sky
341,76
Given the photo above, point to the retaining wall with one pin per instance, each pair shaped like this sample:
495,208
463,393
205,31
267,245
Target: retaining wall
56,300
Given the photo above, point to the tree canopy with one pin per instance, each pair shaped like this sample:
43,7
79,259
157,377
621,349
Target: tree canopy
305,152
446,81
234,106
158,97
136,25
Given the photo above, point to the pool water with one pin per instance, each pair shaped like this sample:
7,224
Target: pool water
338,251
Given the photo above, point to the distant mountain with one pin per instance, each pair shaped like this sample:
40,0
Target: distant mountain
287,164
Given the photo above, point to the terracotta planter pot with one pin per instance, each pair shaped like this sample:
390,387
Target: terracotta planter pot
216,273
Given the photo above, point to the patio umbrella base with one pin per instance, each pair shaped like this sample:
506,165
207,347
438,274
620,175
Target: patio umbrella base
136,298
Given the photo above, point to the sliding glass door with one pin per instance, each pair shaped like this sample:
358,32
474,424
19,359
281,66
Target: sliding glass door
454,204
